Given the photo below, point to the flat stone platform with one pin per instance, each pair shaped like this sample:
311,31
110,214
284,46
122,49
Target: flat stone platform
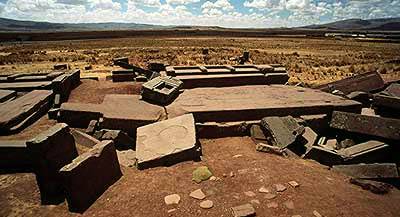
255,102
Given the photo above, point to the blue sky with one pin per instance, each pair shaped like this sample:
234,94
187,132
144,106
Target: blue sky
226,13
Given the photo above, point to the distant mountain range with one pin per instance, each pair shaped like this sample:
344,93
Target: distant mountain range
10,25
385,24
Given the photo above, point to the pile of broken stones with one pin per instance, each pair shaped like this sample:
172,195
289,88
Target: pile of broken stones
354,129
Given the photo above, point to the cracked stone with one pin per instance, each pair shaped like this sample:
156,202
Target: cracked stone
198,194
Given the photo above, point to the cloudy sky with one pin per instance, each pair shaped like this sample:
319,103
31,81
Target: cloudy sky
226,13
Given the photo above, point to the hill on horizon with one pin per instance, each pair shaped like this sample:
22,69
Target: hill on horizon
10,25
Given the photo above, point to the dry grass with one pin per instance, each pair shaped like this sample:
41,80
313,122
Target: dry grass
312,61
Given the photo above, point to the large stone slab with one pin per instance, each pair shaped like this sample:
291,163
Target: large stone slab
80,114
376,126
14,155
255,102
368,152
323,156
88,176
50,151
27,86
166,142
127,112
6,95
369,171
161,90
16,111
362,82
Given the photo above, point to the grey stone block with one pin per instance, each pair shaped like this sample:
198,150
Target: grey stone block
7,95
84,139
121,140
14,154
284,130
120,59
368,152
80,114
161,90
166,142
323,156
27,86
53,113
88,176
369,171
372,186
310,136
50,151
14,112
60,66
376,126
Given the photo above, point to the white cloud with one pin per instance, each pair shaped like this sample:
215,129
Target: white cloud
181,1
105,4
219,4
265,4
150,3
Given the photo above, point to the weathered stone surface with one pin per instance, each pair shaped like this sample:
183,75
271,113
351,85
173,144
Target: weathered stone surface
60,66
84,139
249,193
127,158
80,114
362,82
255,102
368,152
257,134
53,113
200,174
172,199
294,184
243,210
121,140
264,190
261,147
392,90
319,122
166,142
283,129
14,154
323,156
53,75
255,201
316,213
6,95
360,96
89,175
380,100
346,143
27,86
272,205
368,111
310,136
226,129
50,151
120,59
369,171
376,126
331,144
123,75
198,194
16,111
91,127
161,90
372,186
127,112
289,204
270,196
207,204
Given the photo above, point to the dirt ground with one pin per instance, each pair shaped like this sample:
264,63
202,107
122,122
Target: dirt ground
309,60
239,167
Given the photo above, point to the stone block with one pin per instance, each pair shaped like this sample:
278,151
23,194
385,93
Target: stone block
166,142
14,155
127,112
368,112
50,151
360,96
365,82
244,103
121,140
318,122
323,156
368,152
123,75
88,176
261,147
226,129
60,66
121,59
375,126
27,86
53,75
372,186
53,113
161,90
14,112
79,114
84,139
369,171
380,100
392,90
284,130
7,95
245,210
310,136
156,66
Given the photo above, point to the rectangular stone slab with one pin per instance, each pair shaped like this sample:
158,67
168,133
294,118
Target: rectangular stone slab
14,154
14,112
88,176
284,130
80,114
255,102
363,82
166,142
368,152
26,86
324,156
50,151
127,112
369,171
392,90
6,95
375,126
386,101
